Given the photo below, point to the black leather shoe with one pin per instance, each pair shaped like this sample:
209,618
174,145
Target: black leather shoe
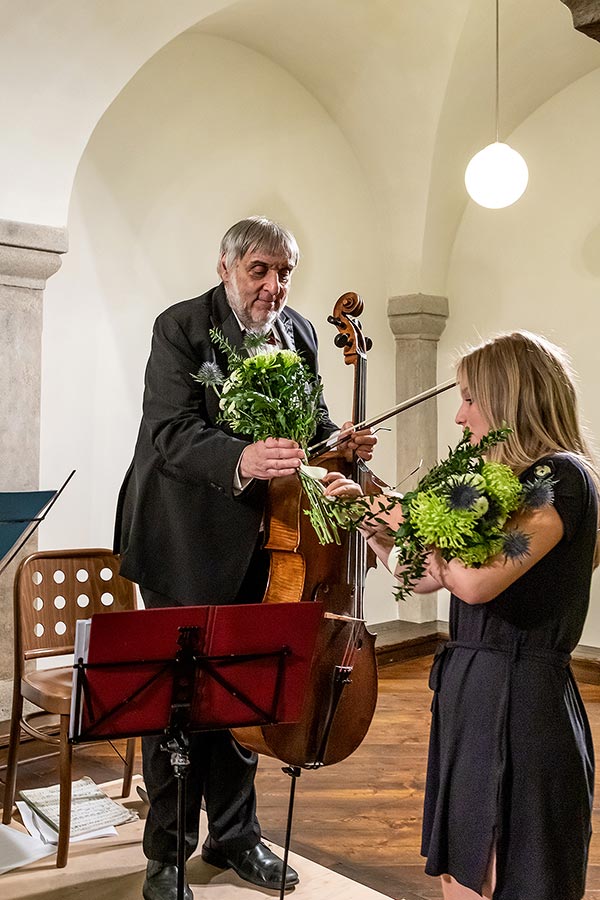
161,882
259,866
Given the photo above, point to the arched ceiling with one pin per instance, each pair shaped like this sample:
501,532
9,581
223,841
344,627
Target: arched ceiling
409,84
62,63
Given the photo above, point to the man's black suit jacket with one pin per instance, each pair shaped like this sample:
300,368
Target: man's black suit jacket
180,529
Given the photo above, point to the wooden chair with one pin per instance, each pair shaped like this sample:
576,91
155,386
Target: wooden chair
52,590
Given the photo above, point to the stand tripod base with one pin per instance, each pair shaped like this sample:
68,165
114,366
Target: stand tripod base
177,745
294,772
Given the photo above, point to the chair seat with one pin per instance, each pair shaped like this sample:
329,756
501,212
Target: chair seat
49,689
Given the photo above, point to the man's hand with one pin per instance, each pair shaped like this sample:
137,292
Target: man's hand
270,459
361,441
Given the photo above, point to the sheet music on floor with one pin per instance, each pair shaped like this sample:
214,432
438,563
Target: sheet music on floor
91,808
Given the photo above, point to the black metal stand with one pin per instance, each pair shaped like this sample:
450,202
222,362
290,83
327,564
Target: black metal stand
180,761
294,772
177,737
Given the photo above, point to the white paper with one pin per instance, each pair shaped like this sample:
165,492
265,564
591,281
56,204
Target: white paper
18,849
81,647
91,809
48,835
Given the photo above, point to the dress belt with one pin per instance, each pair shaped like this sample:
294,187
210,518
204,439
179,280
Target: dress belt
515,651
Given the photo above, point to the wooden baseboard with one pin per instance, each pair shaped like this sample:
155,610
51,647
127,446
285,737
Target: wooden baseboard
398,640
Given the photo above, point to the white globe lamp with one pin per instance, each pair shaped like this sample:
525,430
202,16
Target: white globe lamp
496,176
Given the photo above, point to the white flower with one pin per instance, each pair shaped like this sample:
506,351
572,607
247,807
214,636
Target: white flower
480,506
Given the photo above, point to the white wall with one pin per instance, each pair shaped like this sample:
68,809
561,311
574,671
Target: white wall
206,133
536,265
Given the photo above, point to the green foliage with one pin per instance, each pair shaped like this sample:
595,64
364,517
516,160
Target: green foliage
460,508
274,394
267,395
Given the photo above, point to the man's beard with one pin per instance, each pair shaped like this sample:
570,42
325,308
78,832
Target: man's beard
235,301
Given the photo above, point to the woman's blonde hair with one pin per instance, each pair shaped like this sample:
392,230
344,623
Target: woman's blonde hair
524,381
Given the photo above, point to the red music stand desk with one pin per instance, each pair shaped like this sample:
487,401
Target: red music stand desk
183,669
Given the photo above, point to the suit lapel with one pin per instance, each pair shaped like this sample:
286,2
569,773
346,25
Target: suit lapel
223,319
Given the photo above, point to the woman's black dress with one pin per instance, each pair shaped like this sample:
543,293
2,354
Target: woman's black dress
511,761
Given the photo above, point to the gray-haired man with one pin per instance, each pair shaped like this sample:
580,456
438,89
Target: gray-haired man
188,530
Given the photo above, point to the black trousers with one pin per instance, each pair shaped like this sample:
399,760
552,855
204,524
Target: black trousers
221,771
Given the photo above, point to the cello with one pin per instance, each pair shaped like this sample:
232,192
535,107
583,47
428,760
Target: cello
342,687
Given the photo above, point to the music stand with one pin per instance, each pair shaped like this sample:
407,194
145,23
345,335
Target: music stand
21,512
179,670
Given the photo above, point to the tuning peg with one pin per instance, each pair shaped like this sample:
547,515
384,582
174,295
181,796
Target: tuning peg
368,343
340,340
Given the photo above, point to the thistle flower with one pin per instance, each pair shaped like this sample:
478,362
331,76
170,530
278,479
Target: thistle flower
209,374
465,490
516,544
539,491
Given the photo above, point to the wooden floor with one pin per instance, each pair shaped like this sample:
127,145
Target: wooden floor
361,817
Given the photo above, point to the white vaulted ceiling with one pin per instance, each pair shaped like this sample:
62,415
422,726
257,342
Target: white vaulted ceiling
409,84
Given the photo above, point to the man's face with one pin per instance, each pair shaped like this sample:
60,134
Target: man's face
257,287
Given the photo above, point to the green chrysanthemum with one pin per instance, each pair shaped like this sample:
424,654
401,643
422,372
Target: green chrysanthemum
502,486
280,361
460,507
435,523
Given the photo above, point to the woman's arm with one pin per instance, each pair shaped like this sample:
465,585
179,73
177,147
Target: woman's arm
544,528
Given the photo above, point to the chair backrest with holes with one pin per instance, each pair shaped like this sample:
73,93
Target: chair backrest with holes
53,589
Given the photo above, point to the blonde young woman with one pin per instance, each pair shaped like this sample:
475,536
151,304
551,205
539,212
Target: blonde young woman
511,765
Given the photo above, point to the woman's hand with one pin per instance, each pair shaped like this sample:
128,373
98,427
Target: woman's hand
337,485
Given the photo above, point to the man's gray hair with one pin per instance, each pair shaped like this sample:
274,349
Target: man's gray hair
258,233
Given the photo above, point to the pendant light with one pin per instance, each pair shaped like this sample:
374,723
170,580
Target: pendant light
496,176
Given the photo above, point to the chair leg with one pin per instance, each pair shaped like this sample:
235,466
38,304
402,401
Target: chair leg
128,770
13,755
64,831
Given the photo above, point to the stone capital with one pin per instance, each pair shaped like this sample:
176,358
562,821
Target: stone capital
30,254
417,316
586,16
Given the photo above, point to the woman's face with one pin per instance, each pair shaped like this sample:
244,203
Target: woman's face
470,416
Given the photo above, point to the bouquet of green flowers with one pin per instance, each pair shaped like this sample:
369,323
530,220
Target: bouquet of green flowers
461,508
274,394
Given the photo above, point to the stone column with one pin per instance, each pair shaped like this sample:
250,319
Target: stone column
417,322
586,16
29,255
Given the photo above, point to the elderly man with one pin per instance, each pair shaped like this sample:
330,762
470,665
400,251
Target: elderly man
189,531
